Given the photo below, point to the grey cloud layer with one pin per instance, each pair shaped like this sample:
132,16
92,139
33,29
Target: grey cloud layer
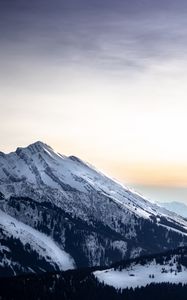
108,35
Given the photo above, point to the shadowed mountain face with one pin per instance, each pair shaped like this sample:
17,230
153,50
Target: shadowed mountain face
89,218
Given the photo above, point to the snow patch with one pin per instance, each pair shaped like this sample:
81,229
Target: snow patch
140,276
43,244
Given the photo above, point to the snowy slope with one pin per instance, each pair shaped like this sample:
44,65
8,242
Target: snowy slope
172,269
39,242
138,276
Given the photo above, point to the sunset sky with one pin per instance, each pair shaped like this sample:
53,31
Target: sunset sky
103,80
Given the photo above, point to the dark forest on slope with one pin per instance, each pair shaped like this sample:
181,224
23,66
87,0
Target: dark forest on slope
81,284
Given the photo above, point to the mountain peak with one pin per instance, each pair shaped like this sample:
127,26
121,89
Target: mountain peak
40,145
36,147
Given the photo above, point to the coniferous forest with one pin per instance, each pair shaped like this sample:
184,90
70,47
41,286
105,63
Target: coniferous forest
81,285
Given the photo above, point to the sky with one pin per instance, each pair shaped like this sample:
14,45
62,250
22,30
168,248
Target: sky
103,80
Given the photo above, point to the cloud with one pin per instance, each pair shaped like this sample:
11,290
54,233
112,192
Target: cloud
125,36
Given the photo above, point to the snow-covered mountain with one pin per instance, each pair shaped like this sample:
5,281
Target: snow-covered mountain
93,218
177,207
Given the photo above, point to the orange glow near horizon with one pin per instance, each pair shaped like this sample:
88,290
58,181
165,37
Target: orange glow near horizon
150,175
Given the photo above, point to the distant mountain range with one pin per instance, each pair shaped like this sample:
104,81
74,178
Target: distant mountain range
59,213
177,207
